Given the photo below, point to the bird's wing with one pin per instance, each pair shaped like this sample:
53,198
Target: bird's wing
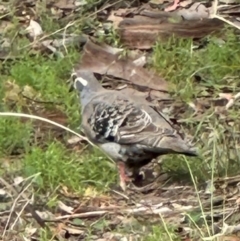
124,122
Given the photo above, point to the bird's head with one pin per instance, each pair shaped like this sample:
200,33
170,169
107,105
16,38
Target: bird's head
79,82
84,80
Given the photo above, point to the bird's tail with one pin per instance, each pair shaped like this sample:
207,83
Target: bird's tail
179,146
182,147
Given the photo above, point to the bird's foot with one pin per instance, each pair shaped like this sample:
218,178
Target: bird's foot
122,175
156,184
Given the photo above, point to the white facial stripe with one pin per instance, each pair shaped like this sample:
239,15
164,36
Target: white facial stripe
82,81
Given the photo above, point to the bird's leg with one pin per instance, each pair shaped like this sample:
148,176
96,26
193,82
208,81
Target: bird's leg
122,175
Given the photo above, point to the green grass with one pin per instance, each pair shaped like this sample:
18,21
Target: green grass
60,166
47,77
218,67
177,62
161,234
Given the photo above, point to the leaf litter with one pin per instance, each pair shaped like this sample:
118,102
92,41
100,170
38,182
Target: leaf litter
105,60
144,209
128,74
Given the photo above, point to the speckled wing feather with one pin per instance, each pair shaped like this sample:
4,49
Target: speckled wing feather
123,122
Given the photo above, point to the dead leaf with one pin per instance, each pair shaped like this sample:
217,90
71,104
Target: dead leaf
73,230
195,12
74,140
141,61
30,231
65,208
34,29
103,60
45,214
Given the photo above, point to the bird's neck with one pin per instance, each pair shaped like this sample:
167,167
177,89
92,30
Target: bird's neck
87,94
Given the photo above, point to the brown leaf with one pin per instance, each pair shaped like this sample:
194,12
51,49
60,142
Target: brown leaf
103,59
143,31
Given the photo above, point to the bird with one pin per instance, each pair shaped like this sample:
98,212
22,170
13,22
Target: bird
129,131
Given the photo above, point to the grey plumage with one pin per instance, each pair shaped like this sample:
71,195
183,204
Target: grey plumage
129,131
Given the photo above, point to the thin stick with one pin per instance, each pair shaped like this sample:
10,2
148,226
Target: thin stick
45,120
78,215
53,123
215,15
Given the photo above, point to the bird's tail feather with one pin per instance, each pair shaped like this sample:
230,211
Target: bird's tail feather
187,148
178,146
